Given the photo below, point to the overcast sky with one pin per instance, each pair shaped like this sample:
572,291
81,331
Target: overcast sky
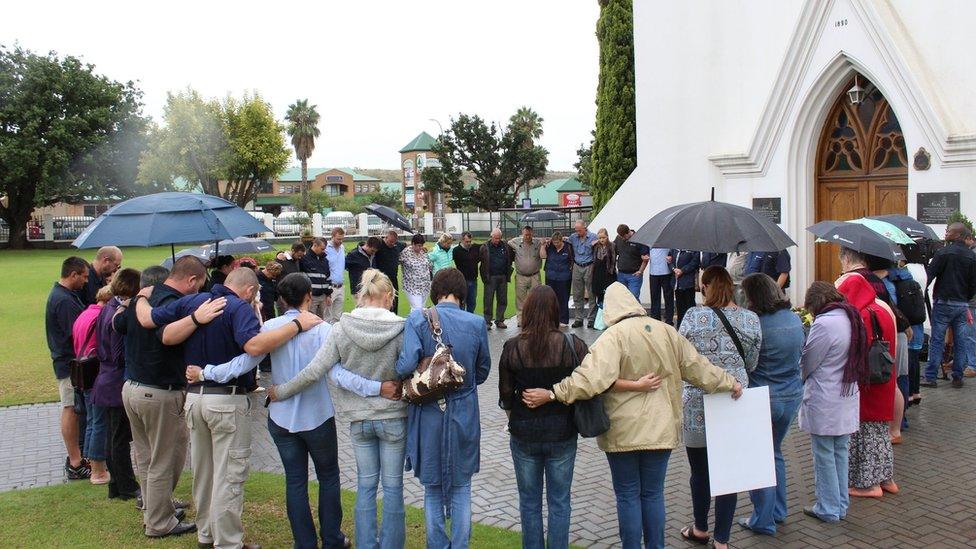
378,70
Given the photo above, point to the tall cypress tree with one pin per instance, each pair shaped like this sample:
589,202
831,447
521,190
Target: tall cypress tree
614,154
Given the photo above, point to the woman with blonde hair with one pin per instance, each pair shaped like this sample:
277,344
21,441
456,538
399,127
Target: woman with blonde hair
442,256
367,341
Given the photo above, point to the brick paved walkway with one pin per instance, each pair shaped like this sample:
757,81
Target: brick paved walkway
934,468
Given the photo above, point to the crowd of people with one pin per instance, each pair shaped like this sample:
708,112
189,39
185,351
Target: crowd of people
177,353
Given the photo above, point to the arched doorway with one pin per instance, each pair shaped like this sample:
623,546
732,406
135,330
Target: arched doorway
862,166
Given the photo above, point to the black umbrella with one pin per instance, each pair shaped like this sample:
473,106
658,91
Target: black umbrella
858,238
712,227
912,227
240,245
203,253
540,216
389,215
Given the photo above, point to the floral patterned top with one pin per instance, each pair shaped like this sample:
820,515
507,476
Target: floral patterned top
417,271
702,327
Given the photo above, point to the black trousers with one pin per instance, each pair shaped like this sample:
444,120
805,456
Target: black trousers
496,294
662,284
684,299
561,287
701,498
914,372
123,484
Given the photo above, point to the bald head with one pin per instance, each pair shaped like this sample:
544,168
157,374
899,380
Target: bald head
580,228
108,259
956,232
243,282
496,235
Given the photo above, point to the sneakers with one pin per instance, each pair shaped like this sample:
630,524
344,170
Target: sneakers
578,324
957,383
928,383
81,472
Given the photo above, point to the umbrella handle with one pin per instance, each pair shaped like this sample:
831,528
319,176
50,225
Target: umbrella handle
172,252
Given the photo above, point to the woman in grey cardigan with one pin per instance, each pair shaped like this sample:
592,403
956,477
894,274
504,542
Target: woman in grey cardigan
365,392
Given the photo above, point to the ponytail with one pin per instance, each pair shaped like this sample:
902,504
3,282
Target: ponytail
374,285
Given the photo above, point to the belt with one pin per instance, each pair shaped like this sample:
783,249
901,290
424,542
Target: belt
587,264
953,302
530,274
219,390
339,285
160,387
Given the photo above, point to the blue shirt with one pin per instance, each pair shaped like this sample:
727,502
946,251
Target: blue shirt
779,355
582,247
220,340
770,263
337,262
559,266
659,265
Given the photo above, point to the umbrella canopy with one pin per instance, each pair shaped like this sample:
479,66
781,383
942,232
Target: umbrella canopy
389,215
911,226
167,218
539,216
858,238
712,227
239,245
200,252
886,230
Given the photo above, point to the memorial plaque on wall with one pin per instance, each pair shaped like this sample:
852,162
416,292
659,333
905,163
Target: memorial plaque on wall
771,208
935,208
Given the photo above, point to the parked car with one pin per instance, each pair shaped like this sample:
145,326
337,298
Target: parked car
339,218
68,228
290,223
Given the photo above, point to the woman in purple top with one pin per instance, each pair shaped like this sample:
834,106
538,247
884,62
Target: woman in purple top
107,391
830,410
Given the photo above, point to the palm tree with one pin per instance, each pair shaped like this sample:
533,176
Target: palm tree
528,120
303,128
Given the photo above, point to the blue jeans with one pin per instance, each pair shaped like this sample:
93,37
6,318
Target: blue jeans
379,446
553,462
638,484
944,315
472,298
438,506
701,497
769,504
96,431
971,341
295,448
830,476
632,281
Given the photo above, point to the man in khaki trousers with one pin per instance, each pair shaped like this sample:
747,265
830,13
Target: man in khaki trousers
218,410
528,265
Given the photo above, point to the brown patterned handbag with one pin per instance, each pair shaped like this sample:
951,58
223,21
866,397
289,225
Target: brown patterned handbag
437,375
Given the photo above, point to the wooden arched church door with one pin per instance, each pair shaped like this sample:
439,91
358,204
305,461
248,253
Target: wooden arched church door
862,167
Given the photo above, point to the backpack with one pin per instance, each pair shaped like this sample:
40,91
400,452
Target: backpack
911,302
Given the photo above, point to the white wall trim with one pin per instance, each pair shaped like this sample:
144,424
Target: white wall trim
951,150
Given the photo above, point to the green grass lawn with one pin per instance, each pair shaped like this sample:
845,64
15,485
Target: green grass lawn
80,515
26,374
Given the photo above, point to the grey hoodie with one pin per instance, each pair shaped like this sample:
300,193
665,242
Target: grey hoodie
367,341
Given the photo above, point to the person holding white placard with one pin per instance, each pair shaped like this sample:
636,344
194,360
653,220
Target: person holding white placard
831,364
631,358
730,337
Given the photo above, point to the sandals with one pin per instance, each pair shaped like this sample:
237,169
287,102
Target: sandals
688,533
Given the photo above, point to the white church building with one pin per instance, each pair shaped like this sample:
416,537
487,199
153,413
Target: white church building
837,108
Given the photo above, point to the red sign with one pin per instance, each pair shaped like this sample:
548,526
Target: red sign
572,199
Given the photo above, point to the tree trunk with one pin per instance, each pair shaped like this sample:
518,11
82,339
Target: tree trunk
305,184
18,230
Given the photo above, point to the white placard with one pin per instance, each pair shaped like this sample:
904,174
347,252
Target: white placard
739,434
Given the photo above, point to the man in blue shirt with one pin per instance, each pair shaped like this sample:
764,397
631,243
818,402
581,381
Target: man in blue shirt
774,264
661,280
335,254
218,412
582,242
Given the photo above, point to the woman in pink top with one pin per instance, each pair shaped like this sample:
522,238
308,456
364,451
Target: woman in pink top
84,340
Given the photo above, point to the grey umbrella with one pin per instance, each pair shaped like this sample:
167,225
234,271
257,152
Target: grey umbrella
912,227
712,226
389,215
858,238
240,245
539,216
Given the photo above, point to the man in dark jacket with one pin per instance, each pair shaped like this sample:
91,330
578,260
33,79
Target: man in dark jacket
496,265
466,260
953,269
387,260
316,265
107,260
685,276
360,259
291,261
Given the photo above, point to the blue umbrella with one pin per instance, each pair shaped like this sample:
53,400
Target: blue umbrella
168,218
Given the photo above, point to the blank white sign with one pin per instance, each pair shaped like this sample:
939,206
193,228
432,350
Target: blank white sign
739,434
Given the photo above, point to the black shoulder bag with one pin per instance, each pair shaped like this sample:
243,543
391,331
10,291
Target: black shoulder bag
879,355
590,417
731,331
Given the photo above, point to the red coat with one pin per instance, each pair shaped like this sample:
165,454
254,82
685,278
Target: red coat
877,401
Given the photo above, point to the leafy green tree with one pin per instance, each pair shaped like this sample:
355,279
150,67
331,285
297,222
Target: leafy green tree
614,154
959,217
500,161
303,128
584,163
257,147
66,133
529,121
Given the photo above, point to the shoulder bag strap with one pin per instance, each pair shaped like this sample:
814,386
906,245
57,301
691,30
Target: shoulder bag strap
875,325
572,348
731,331
435,324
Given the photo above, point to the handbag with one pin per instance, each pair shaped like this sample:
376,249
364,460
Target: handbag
84,369
589,416
880,361
731,331
437,375
598,322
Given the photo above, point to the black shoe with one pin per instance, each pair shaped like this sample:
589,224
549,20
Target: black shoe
178,530
578,324
589,324
501,325
488,322
928,383
957,383
81,472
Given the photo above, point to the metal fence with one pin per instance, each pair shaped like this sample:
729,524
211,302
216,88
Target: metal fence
510,221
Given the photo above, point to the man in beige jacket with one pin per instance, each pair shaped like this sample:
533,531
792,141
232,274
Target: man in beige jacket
645,425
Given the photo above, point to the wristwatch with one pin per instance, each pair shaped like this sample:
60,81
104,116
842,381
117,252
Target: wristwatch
552,395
